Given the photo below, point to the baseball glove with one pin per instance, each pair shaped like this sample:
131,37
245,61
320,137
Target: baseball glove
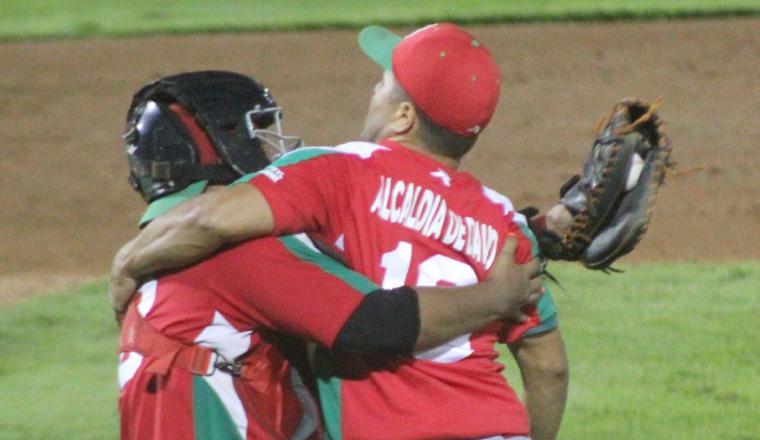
612,201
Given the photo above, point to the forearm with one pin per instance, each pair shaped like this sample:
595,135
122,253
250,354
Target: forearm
446,313
166,243
194,230
187,234
449,312
543,364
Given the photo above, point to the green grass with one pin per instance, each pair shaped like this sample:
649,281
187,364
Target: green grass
58,357
667,351
664,351
80,18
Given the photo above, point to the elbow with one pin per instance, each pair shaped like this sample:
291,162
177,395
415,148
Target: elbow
553,368
545,357
545,377
557,371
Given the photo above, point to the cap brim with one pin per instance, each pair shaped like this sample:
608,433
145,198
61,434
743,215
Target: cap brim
164,204
378,43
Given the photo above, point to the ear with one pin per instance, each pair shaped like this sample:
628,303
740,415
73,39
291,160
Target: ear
405,118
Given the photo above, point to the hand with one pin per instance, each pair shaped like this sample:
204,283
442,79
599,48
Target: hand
559,219
121,288
517,285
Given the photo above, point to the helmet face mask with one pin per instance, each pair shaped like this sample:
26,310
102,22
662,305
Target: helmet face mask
274,142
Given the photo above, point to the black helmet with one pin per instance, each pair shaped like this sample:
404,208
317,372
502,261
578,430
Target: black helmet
198,126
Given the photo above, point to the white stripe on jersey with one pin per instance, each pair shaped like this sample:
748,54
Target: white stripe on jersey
452,351
148,297
361,149
364,150
128,367
507,207
230,343
307,242
130,362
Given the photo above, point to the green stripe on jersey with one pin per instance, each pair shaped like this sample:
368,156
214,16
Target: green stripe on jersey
327,264
211,419
547,312
329,387
295,156
328,384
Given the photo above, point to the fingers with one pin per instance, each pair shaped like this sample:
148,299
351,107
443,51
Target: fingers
505,259
536,285
120,293
532,267
535,289
510,245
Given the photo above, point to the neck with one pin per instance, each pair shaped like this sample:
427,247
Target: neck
414,144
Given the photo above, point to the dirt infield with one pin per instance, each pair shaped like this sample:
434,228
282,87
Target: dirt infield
66,204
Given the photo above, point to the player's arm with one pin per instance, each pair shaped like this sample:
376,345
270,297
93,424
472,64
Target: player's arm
196,228
404,320
186,234
540,354
295,289
544,369
456,311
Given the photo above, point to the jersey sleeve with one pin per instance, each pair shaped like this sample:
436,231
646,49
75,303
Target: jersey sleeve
301,187
289,286
542,315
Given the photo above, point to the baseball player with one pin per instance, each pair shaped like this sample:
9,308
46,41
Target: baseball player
400,212
203,349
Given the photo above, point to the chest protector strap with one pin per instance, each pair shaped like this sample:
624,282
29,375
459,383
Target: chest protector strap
263,365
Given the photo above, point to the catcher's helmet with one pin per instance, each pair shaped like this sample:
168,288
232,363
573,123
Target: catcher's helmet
198,126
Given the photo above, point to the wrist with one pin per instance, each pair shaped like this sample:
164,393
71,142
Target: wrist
497,302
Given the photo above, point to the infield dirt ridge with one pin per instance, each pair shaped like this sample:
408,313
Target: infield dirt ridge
67,206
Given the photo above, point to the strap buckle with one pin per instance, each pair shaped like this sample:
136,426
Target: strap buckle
231,368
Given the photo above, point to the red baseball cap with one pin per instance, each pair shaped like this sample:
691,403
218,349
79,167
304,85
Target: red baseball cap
447,72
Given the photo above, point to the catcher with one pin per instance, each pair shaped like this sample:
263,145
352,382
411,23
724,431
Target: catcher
203,350
608,208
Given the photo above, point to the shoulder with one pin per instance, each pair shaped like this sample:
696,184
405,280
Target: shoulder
322,158
355,150
363,150
504,203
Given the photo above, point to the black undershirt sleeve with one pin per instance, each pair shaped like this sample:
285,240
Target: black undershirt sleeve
386,321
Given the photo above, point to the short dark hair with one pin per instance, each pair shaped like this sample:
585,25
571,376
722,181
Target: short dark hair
437,139
442,141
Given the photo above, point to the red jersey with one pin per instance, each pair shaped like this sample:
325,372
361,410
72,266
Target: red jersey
229,303
402,218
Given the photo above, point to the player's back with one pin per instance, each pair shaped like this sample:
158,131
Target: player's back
232,303
402,218
257,285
